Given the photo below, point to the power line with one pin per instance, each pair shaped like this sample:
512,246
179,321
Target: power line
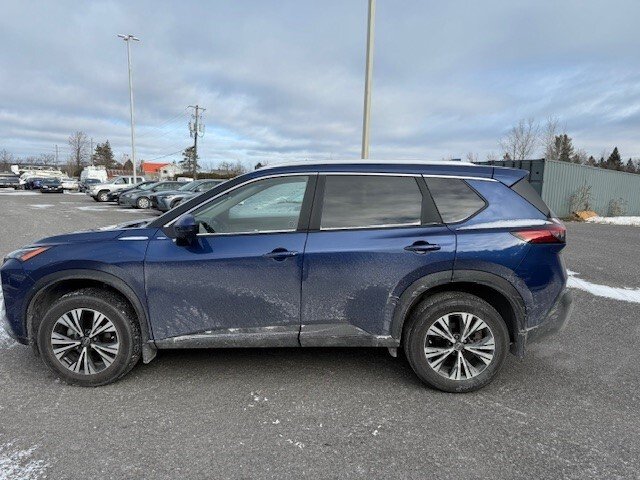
163,124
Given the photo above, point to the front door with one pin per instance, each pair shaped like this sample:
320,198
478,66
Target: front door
241,280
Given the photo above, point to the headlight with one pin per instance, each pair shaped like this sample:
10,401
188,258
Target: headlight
170,198
28,253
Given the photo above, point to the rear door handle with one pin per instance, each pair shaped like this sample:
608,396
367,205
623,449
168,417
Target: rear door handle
422,247
280,254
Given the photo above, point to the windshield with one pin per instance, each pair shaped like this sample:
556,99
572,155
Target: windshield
51,181
145,186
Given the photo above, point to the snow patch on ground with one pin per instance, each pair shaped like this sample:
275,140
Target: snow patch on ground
42,205
615,293
633,221
20,464
5,340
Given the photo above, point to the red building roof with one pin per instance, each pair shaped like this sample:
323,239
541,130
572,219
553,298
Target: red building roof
148,167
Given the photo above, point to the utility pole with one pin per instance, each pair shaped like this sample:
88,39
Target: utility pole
91,152
367,79
196,129
127,38
56,154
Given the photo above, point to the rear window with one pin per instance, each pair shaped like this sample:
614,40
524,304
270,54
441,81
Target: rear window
353,201
526,191
456,201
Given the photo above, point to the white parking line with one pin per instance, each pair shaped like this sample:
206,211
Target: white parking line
615,293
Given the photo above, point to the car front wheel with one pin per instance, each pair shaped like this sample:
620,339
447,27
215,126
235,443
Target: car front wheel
143,202
102,196
89,337
455,342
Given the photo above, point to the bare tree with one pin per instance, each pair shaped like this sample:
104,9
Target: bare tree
6,160
521,141
551,131
472,157
46,159
79,150
492,157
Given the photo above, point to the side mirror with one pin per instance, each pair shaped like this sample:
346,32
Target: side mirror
186,230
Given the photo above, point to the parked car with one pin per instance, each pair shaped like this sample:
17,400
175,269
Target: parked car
33,183
165,201
51,185
455,263
70,183
10,181
100,191
140,198
115,195
88,183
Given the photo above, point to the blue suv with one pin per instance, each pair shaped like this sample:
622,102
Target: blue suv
454,263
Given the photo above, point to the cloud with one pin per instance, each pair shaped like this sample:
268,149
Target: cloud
284,79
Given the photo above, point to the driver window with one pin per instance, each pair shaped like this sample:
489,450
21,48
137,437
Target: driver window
273,204
119,181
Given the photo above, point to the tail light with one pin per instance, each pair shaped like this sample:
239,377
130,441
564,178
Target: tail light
554,233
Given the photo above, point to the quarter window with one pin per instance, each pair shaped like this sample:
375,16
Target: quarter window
353,201
272,204
456,201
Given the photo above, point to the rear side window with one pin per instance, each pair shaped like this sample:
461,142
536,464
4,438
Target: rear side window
456,201
526,191
352,201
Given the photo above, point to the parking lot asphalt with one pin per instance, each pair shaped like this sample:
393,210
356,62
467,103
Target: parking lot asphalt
568,410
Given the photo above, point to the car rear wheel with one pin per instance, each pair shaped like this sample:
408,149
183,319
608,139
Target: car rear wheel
102,196
143,202
89,337
455,342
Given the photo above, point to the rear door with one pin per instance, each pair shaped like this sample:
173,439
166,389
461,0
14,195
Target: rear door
370,237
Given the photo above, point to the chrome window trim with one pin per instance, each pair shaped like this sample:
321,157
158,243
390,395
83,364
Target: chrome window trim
309,174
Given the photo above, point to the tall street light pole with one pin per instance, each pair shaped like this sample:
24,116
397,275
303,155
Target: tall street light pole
367,79
128,38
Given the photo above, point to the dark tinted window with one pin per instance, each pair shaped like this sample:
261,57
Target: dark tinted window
526,191
455,199
352,201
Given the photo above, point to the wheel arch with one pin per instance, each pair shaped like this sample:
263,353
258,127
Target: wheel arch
495,290
52,286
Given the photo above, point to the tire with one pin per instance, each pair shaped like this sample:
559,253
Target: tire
108,360
439,316
143,203
103,196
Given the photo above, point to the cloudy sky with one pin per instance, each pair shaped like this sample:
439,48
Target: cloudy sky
283,79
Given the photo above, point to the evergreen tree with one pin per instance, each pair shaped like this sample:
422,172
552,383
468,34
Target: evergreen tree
631,167
189,159
602,163
614,162
103,155
566,148
592,161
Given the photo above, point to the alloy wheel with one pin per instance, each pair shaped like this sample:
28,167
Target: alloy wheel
459,346
143,202
85,341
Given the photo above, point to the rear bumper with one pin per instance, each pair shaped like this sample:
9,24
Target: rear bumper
555,320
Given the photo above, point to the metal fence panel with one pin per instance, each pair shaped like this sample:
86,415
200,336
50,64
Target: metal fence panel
562,179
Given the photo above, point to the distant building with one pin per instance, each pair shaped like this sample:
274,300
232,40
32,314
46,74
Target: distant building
160,171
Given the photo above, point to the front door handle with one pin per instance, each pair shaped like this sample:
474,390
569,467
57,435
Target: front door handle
421,247
280,254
